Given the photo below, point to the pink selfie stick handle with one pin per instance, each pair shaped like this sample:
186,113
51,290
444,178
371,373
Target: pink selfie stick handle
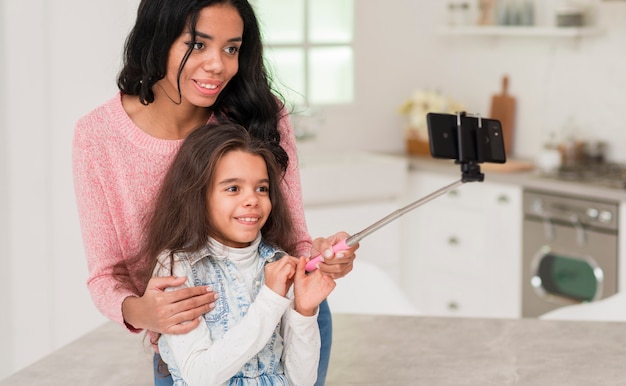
311,265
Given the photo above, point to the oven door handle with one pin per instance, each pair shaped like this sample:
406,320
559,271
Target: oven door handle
548,229
581,234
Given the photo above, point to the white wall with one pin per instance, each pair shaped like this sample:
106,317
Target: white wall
5,294
59,59
25,125
399,49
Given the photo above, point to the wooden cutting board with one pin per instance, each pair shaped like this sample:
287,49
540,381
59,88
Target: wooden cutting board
510,166
503,109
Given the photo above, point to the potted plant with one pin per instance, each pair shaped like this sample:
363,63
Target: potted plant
415,108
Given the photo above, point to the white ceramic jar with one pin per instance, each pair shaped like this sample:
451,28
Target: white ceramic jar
549,160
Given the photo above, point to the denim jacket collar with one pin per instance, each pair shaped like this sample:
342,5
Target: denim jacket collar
219,251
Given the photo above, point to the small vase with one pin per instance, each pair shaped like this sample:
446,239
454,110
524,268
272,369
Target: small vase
415,145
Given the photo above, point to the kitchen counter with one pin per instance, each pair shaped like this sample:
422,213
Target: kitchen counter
369,350
388,350
107,356
525,179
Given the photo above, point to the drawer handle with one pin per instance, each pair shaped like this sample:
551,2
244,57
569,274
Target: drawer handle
453,240
453,306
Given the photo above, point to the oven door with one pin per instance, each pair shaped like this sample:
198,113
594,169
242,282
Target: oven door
565,279
562,266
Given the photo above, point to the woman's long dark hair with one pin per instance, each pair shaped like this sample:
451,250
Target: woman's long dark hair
179,220
247,99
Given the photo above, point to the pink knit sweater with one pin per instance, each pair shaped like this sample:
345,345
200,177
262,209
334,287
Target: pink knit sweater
117,171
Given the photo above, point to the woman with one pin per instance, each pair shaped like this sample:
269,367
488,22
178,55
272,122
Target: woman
186,63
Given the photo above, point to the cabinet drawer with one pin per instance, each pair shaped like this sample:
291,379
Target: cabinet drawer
462,297
453,240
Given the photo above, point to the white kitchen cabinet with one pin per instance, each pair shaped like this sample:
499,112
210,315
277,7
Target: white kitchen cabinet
462,251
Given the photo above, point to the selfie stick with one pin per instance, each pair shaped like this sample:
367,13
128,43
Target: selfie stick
470,172
352,240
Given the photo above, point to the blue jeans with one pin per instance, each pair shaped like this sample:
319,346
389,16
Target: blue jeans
325,322
159,379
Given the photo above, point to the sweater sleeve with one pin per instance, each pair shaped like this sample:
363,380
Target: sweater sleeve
100,241
292,189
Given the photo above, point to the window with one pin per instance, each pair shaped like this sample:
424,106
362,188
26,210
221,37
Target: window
308,49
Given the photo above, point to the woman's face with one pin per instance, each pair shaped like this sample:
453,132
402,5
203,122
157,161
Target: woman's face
213,61
238,199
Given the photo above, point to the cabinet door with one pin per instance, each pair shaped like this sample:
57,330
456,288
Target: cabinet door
463,249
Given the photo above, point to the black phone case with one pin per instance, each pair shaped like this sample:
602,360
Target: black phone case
480,144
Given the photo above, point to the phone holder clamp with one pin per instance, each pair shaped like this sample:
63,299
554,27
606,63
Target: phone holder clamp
470,169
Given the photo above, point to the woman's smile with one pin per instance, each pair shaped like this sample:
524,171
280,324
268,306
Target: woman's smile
208,87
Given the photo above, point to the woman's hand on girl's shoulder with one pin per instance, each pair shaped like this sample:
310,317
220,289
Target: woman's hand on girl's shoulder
168,312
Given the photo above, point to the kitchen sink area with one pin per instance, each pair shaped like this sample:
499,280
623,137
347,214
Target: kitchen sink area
334,178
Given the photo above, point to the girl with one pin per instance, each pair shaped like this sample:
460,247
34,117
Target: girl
219,197
186,63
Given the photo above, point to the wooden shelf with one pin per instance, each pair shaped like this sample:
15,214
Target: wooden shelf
512,31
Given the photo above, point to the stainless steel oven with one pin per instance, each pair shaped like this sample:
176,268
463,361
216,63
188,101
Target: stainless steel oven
570,251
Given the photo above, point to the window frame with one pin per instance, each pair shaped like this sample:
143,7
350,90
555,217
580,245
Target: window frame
307,46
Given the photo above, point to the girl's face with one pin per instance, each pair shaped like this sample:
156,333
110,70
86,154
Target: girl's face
239,200
213,61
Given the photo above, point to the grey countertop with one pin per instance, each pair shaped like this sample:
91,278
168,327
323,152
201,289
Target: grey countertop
388,350
109,355
525,179
374,350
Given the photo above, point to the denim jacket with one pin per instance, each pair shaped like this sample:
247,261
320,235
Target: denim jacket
255,316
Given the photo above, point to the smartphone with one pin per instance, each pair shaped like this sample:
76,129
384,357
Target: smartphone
483,143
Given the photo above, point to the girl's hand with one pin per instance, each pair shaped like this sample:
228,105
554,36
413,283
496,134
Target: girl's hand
310,290
172,312
338,264
279,274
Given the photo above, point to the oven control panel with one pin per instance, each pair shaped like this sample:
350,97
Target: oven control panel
571,209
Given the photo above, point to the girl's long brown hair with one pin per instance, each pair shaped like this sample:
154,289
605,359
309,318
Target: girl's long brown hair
179,222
